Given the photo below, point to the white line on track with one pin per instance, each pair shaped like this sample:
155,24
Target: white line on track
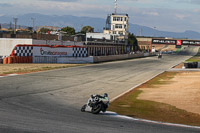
9,75
113,114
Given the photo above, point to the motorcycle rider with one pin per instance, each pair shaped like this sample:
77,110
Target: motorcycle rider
92,101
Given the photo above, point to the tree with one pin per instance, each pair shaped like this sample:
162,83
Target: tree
132,41
44,30
30,29
68,30
87,29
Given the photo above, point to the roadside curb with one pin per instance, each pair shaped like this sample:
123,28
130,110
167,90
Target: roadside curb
154,122
9,75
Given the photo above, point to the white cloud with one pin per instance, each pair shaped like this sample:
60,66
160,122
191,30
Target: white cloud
180,16
151,13
62,0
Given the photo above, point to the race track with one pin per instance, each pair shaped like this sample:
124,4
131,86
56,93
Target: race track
50,102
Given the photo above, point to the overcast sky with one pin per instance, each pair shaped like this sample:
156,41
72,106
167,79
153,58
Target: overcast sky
168,15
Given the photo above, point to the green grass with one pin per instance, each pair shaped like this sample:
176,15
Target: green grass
30,70
196,58
178,50
131,106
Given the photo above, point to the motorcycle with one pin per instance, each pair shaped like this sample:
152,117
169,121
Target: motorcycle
159,56
96,103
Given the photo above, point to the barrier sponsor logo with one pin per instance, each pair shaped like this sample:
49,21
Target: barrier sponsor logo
179,42
43,52
163,41
190,42
175,42
47,51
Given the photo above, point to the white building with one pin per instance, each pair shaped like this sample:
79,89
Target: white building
118,25
116,30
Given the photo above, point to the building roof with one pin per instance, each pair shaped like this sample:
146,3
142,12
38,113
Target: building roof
120,14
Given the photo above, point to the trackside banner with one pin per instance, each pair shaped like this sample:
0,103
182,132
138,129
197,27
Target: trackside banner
48,51
175,42
190,42
164,41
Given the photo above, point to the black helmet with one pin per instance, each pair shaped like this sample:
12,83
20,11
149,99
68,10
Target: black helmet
105,95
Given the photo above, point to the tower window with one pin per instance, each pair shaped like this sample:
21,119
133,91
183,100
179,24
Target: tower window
118,26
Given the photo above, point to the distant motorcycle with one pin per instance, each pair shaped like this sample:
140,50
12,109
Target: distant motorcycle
159,56
96,103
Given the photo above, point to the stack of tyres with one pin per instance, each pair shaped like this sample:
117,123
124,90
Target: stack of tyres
191,65
10,60
5,60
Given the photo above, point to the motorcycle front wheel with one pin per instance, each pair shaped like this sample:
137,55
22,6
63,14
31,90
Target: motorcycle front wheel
83,108
97,108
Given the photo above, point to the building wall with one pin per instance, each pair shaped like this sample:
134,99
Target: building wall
55,42
122,22
98,36
8,44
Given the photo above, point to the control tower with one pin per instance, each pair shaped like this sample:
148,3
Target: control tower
117,24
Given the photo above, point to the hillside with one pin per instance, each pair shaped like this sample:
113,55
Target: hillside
97,23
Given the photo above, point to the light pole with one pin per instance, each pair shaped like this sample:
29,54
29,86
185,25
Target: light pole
15,25
154,31
33,19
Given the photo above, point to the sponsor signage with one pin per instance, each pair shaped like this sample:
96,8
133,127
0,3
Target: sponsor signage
178,44
163,41
47,51
175,42
190,42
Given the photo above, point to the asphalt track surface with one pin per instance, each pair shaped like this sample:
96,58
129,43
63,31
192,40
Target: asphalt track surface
50,102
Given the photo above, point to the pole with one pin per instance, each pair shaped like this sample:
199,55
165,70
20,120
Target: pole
33,19
15,25
151,47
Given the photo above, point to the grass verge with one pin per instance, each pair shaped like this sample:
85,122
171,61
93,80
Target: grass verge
29,68
196,58
129,105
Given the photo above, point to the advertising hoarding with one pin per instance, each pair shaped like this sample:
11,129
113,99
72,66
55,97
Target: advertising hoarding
164,41
175,42
48,51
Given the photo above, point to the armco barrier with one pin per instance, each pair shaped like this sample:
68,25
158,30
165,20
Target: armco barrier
62,60
119,57
44,59
75,60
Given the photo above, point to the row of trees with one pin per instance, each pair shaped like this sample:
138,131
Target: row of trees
70,30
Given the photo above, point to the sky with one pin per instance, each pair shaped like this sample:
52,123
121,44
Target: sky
166,15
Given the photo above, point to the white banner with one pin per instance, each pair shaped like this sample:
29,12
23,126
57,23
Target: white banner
47,51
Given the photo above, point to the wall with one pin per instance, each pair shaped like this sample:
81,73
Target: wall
98,36
63,60
118,57
76,60
54,42
8,44
90,59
